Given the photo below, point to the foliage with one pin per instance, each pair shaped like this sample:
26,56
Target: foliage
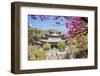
46,46
82,54
30,33
34,34
73,45
61,45
36,53
40,55
79,41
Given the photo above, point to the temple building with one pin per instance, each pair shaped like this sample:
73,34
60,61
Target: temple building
53,37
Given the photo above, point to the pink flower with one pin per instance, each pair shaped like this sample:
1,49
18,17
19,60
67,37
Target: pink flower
76,30
76,18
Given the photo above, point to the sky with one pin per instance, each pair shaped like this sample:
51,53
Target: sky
47,24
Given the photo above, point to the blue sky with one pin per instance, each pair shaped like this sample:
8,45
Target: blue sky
47,24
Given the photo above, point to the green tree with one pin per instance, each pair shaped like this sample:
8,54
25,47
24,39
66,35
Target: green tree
30,34
46,46
74,46
61,45
34,34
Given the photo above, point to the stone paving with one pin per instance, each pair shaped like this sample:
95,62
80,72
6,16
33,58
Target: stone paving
54,54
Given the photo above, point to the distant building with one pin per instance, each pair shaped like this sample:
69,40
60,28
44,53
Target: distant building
53,37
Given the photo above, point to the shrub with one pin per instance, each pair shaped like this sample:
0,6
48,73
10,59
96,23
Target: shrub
61,45
40,55
46,46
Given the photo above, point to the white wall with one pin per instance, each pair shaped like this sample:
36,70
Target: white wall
5,41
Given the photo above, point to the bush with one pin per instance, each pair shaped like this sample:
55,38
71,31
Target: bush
36,53
46,46
40,55
61,45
